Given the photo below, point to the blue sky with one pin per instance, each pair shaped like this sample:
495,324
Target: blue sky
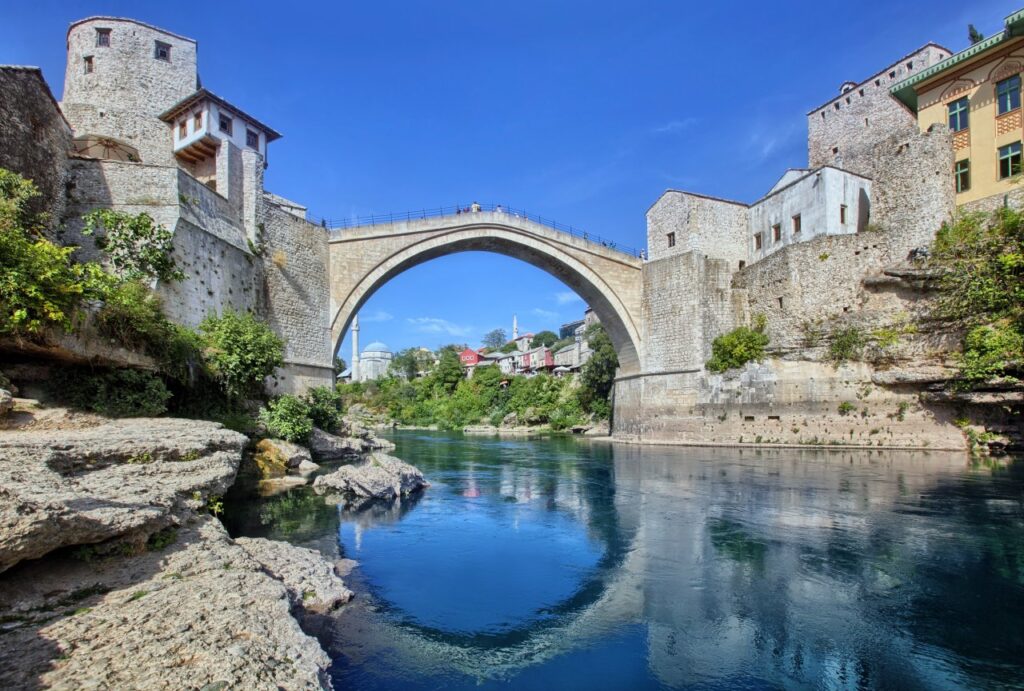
580,111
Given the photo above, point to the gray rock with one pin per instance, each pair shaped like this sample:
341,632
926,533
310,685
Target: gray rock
378,477
201,613
6,402
123,479
311,580
330,447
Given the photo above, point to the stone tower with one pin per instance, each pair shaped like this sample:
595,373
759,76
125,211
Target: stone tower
355,348
121,75
515,328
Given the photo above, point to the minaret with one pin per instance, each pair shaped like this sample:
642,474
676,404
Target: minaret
355,348
515,328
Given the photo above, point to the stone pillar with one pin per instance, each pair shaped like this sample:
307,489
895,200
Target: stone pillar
355,348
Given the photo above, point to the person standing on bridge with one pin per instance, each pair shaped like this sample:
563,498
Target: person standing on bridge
499,209
474,207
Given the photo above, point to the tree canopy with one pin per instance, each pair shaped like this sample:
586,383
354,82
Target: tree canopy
495,338
544,338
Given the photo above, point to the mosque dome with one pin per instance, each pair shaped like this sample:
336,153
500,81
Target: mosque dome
376,347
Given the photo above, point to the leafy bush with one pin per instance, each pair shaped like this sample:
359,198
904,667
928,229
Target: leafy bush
991,350
598,374
287,417
116,393
738,347
325,407
240,352
845,408
138,247
846,344
40,285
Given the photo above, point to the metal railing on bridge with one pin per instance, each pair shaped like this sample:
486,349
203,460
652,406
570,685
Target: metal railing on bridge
469,209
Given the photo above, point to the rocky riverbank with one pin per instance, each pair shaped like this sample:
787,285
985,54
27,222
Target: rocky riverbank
116,572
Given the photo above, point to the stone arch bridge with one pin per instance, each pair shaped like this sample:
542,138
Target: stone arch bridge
364,258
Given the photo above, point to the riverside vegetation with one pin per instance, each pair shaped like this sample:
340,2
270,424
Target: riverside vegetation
447,399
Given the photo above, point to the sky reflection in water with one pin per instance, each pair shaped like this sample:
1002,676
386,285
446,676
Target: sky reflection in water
567,564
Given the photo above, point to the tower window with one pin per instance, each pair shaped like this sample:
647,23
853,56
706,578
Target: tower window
962,174
102,38
671,239
776,232
162,51
87,61
183,129
252,139
796,224
197,123
225,124
757,241
842,214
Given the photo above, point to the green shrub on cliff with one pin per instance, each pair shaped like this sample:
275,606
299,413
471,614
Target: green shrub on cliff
241,352
325,407
981,259
137,247
845,344
738,347
116,393
287,417
41,287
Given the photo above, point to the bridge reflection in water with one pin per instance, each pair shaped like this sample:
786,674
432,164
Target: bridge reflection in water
711,568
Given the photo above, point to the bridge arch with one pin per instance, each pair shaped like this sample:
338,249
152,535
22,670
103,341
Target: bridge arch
363,259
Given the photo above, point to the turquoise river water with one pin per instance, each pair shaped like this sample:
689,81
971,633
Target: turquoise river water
561,563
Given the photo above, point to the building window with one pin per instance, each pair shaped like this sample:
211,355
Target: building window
861,92
183,129
835,150
671,239
1009,160
742,263
88,64
842,214
910,65
162,51
776,232
225,124
878,82
796,224
962,175
958,114
892,75
102,38
197,123
1008,94
252,139
757,241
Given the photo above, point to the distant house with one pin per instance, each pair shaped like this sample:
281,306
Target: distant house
523,342
470,357
505,361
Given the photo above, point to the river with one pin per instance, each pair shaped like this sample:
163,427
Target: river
562,563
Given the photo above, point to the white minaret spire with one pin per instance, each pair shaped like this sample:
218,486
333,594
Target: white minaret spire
355,348
515,328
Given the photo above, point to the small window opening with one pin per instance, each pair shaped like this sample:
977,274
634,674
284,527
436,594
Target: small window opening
861,92
88,64
892,75
742,263
225,124
878,82
835,150
197,121
847,100
776,232
796,224
842,213
671,237
252,139
748,418
102,38
910,65
865,122
822,115
183,129
757,241
774,417
780,302
162,51
837,105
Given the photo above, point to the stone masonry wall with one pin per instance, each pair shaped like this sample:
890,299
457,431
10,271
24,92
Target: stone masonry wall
865,114
34,137
297,297
128,87
715,227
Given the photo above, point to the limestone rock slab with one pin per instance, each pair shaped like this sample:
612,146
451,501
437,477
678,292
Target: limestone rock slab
380,476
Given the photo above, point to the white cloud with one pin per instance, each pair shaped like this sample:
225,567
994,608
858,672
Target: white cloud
433,325
547,314
674,126
567,296
376,316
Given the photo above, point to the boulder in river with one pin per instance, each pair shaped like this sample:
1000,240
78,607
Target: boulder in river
123,479
275,457
380,476
331,447
312,582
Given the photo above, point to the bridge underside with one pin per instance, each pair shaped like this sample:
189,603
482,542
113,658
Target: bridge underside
364,259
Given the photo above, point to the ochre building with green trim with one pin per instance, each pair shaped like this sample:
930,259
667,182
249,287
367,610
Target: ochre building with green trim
977,94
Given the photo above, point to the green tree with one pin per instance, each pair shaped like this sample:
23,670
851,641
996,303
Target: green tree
738,347
598,374
241,352
448,373
973,35
339,364
544,338
138,247
406,363
495,339
509,347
